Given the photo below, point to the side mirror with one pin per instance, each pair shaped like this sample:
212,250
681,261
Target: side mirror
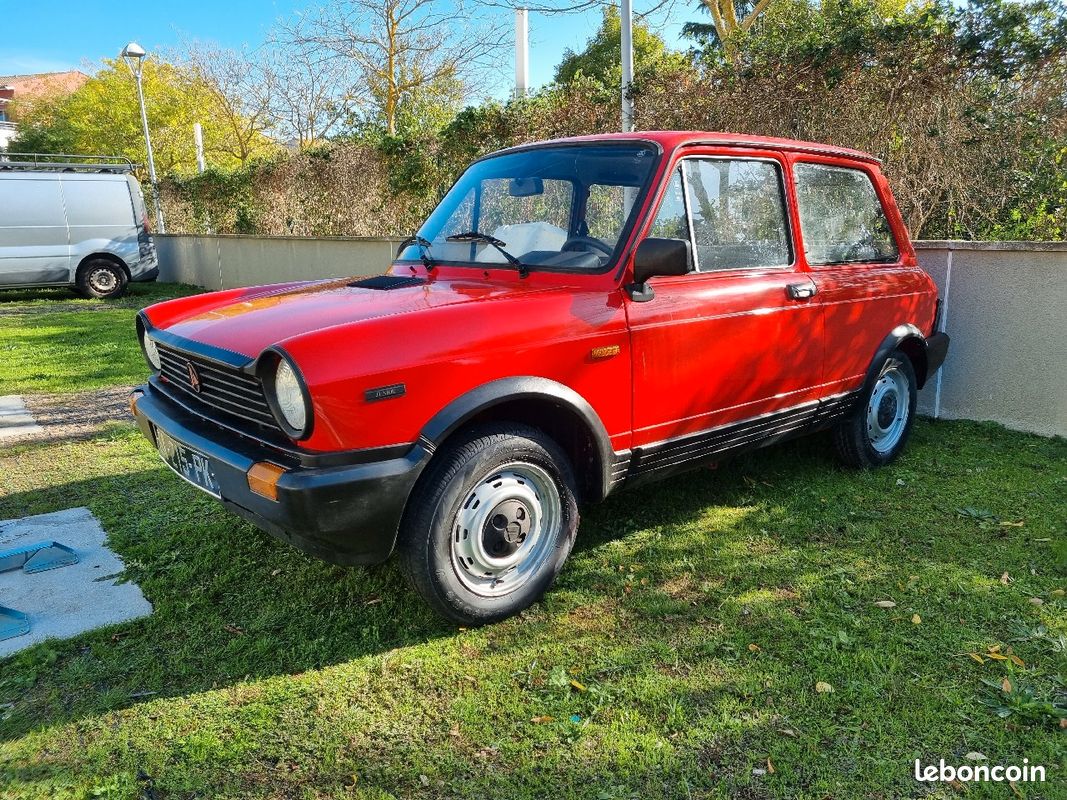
658,257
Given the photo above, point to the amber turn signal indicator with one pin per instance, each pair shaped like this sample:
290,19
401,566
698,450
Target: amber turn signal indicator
263,479
605,352
134,397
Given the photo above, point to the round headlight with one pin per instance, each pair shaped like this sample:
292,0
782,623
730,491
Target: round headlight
290,396
151,352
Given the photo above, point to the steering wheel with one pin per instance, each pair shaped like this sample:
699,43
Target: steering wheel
579,243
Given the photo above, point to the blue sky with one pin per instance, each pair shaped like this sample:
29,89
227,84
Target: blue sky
51,35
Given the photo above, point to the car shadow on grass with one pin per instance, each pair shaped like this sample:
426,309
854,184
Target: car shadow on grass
779,549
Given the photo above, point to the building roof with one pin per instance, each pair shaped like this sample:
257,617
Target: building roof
43,82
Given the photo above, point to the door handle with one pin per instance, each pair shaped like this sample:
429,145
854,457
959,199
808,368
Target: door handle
800,291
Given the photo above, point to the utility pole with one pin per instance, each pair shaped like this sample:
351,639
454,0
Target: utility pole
198,140
626,16
522,52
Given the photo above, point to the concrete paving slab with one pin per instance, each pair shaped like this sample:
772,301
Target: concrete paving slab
70,600
15,418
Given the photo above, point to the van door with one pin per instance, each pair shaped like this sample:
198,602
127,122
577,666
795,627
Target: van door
34,244
100,213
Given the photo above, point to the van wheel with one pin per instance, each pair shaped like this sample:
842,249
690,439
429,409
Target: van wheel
879,428
102,279
490,523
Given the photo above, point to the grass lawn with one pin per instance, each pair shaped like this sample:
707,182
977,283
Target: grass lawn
52,340
680,654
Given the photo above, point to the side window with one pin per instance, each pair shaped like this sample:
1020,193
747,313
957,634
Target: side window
738,212
31,204
98,203
841,218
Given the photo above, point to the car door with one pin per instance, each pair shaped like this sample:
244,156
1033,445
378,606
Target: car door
739,337
34,244
865,289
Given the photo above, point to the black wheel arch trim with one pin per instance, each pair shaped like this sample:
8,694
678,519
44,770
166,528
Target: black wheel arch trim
927,354
503,390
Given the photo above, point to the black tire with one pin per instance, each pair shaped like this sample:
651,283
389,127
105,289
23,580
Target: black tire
472,465
102,279
861,440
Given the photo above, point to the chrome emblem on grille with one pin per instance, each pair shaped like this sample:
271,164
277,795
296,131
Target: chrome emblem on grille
194,377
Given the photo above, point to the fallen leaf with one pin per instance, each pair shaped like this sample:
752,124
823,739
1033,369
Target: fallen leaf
998,657
1037,601
974,755
916,619
1005,579
822,687
994,648
770,766
1063,723
885,604
792,734
1006,686
1016,660
1056,593
275,573
977,658
1015,789
233,629
542,719
424,780
454,730
579,686
955,784
1018,524
753,648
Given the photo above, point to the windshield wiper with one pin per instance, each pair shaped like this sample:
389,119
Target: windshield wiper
424,249
478,236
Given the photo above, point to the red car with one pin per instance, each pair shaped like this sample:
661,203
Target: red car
575,316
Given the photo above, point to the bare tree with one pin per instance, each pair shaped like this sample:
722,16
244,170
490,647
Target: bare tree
311,90
235,83
404,48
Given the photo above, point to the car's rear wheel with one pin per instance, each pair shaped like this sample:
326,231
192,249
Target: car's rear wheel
102,279
876,432
490,523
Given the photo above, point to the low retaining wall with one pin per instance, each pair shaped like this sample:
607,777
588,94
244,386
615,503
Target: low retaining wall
1005,309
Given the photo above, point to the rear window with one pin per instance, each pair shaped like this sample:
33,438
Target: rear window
841,217
98,203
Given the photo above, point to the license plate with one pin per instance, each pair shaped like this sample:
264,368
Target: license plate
190,464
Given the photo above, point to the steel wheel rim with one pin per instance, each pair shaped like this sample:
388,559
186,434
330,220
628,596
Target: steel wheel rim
493,559
103,280
887,410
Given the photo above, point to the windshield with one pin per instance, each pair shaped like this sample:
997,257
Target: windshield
564,207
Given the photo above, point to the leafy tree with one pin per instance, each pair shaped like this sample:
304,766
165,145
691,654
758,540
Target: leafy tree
602,56
102,116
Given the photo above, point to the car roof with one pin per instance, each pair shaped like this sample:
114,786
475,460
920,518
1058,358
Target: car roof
671,140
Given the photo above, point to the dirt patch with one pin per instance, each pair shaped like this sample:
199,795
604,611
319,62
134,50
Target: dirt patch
78,415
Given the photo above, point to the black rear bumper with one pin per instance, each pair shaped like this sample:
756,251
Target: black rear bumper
347,514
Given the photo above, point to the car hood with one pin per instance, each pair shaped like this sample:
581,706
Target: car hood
268,316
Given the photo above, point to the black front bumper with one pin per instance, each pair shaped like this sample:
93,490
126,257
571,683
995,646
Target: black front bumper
346,514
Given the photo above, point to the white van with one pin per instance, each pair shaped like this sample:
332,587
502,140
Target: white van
75,221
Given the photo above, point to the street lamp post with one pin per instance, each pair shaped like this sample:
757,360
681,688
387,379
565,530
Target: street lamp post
134,56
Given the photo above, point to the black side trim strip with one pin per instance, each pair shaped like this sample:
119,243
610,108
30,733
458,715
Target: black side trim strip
660,459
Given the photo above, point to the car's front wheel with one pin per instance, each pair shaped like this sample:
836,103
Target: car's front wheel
490,523
876,432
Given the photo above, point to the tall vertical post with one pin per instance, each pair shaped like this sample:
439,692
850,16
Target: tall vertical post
161,228
522,52
198,141
626,16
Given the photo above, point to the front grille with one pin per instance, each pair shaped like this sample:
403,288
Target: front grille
221,387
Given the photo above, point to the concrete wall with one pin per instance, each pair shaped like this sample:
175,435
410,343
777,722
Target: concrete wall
1005,309
228,262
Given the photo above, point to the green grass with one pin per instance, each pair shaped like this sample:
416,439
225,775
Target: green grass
278,675
695,618
51,340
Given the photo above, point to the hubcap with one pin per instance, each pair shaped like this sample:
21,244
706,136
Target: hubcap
506,529
887,411
102,280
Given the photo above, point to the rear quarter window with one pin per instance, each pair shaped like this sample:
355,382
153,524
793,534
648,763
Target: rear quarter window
98,203
841,218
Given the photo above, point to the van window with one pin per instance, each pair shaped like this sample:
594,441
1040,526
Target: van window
738,212
98,202
30,204
841,218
